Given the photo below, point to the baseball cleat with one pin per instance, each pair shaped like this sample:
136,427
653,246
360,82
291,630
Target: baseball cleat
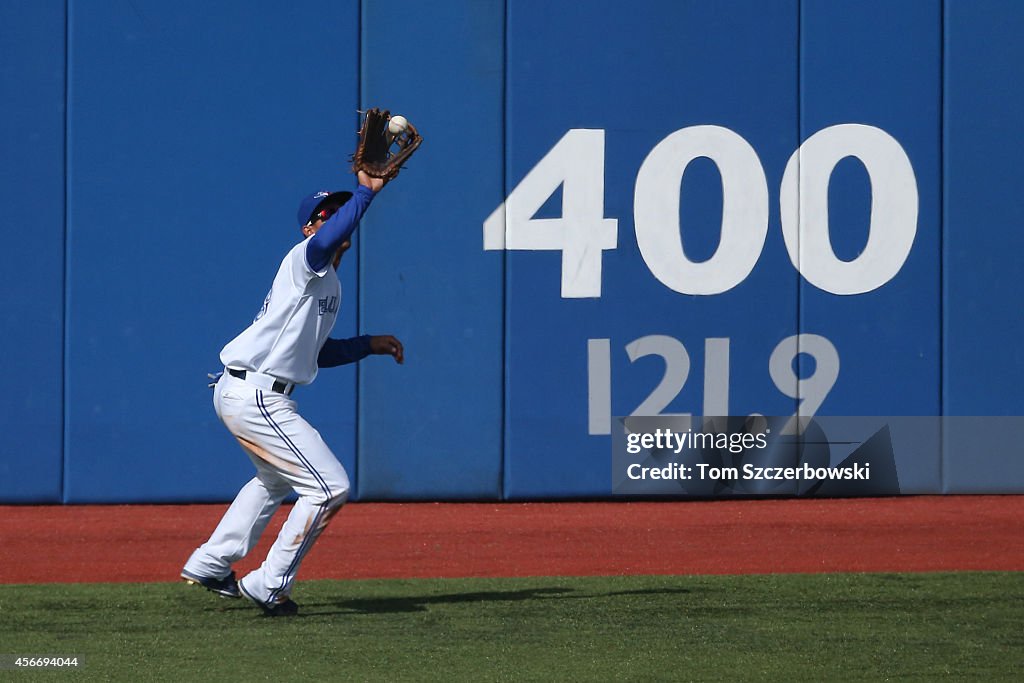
288,608
226,587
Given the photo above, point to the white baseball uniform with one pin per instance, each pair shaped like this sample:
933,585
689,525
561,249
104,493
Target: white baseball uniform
276,352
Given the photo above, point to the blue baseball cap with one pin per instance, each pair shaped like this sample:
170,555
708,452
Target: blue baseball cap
318,201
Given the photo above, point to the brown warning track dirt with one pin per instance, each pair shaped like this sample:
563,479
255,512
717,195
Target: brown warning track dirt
375,540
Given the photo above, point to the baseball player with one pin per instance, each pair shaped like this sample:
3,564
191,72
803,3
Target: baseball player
283,348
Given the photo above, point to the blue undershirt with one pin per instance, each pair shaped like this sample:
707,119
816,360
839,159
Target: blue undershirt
321,247
343,351
320,251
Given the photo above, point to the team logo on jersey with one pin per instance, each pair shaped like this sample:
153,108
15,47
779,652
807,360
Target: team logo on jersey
266,305
328,305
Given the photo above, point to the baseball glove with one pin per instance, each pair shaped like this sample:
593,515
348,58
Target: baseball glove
382,149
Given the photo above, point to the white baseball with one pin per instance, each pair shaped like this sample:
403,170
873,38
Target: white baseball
397,125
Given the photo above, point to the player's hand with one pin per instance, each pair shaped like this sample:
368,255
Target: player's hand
367,180
386,345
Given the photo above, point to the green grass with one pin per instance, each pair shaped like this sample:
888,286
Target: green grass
648,628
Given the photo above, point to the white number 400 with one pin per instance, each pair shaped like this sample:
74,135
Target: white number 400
576,163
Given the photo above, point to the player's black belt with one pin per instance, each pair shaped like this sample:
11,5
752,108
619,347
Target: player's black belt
279,386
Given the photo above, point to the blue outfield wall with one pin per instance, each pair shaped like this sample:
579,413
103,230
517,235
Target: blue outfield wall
983,240
194,131
434,424
32,82
568,360
687,208
885,73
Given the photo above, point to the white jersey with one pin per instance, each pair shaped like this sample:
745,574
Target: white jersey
297,316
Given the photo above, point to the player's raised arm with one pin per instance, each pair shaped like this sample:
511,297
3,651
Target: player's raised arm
330,234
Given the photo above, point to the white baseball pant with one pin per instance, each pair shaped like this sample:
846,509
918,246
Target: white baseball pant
289,454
